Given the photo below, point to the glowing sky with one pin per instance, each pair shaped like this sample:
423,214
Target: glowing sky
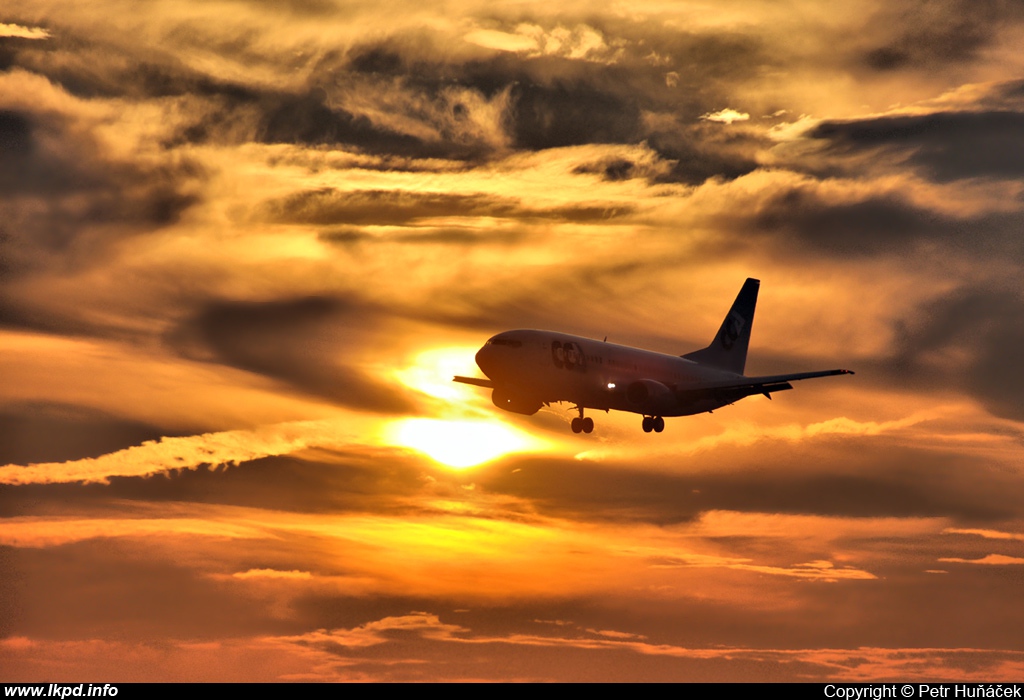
245,245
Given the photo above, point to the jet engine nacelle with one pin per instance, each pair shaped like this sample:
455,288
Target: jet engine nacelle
651,397
515,403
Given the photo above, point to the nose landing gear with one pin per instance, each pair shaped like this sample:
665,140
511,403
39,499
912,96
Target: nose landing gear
655,423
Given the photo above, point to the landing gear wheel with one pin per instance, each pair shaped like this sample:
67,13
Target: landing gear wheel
648,424
588,425
577,425
658,424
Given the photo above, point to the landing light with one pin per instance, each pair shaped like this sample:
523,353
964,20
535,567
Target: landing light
611,385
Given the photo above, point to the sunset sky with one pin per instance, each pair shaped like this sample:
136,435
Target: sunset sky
245,245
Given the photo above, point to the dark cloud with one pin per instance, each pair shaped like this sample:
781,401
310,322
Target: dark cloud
554,102
981,326
301,341
894,482
328,206
91,198
613,169
370,481
875,226
569,115
381,207
304,8
947,146
226,111
44,432
37,313
551,101
706,151
15,137
927,35
308,119
690,154
803,219
101,72
350,236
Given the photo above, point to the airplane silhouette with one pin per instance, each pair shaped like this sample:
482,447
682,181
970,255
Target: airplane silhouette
528,369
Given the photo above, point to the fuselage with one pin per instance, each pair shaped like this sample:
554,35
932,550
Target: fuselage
545,367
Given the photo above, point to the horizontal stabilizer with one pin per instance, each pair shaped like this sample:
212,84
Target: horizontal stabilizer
485,383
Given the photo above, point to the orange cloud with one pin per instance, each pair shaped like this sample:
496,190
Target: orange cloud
17,30
991,560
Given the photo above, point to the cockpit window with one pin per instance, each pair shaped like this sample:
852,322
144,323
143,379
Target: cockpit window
506,341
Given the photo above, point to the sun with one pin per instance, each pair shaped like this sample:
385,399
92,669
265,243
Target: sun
461,444
431,371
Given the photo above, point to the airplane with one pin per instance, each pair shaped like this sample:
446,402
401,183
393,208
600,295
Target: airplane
528,369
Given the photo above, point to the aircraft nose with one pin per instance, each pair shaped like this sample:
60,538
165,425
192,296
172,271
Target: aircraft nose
488,359
484,360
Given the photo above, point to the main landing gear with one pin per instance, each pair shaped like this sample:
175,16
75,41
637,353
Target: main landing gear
581,424
655,423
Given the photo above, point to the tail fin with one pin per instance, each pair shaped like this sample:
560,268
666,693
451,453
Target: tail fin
728,350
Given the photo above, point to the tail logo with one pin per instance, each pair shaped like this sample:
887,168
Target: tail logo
731,329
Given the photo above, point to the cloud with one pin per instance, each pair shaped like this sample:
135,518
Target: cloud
294,340
53,152
858,211
18,31
185,660
174,453
314,480
33,532
945,146
381,207
399,208
946,32
967,337
863,664
815,571
577,99
307,119
373,633
312,656
988,534
726,116
272,574
990,560
501,41
698,154
576,43
882,481
567,114
53,432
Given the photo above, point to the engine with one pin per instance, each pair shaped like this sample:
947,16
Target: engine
515,403
651,397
